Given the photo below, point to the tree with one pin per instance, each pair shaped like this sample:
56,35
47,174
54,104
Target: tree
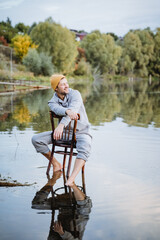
3,41
32,61
101,51
46,64
32,26
7,31
132,49
38,63
113,35
138,48
21,28
154,65
58,42
147,50
21,45
83,68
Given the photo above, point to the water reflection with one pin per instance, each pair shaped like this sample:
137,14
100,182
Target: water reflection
73,208
137,103
125,160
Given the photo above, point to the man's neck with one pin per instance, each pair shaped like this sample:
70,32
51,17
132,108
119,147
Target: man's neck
61,96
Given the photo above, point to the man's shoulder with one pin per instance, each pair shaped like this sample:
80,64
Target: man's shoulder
54,98
73,92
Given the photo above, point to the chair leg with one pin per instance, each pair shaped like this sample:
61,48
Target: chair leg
69,162
50,161
64,181
83,180
70,195
64,159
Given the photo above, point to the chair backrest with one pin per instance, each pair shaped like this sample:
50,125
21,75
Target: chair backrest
69,131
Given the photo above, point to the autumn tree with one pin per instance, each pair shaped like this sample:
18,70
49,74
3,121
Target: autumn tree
21,45
57,42
101,51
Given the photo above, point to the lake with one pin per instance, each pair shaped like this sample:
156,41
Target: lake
122,174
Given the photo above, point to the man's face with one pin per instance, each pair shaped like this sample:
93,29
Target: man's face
63,87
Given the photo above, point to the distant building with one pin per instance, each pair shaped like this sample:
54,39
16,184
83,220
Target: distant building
79,35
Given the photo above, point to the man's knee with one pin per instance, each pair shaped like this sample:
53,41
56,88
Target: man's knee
83,147
34,140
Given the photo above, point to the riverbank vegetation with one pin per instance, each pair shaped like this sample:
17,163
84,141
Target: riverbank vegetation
47,47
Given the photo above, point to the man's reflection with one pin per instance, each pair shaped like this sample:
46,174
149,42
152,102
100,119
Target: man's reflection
73,209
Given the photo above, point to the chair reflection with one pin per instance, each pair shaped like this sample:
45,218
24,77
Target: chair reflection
70,208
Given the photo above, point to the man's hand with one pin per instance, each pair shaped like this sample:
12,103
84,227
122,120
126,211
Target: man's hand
58,132
73,115
58,228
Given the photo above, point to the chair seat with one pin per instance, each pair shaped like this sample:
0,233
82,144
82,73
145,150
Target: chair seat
64,143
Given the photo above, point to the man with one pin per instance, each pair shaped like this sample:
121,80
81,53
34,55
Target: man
66,102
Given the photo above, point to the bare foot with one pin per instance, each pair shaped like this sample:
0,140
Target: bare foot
70,182
57,166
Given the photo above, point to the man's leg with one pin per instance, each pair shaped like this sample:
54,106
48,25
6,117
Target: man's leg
79,163
41,142
83,147
57,166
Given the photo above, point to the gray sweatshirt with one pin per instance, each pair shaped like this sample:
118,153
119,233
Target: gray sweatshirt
72,101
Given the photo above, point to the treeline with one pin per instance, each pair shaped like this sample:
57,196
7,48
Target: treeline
48,47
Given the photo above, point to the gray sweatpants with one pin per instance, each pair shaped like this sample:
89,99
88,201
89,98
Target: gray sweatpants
83,145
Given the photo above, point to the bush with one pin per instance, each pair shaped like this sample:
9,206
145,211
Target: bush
83,68
21,67
32,61
3,64
38,63
46,64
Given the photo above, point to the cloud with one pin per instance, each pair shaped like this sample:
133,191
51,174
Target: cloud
50,8
6,4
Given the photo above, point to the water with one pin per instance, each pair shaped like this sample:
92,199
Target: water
122,174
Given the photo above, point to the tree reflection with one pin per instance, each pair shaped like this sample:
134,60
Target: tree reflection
137,103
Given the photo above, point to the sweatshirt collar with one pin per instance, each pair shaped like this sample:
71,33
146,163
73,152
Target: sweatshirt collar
65,100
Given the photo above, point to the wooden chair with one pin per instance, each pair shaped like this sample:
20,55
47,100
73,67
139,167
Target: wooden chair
68,141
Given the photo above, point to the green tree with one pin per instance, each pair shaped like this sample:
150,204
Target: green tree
113,35
31,27
21,28
154,65
138,49
147,49
83,68
57,42
132,52
101,51
38,63
32,61
7,30
46,64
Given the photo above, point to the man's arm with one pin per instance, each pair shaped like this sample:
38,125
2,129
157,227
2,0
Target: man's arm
69,113
56,107
73,108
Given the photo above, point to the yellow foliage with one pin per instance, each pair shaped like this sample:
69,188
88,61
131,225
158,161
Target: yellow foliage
21,45
21,114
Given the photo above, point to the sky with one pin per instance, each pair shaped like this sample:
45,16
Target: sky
117,16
